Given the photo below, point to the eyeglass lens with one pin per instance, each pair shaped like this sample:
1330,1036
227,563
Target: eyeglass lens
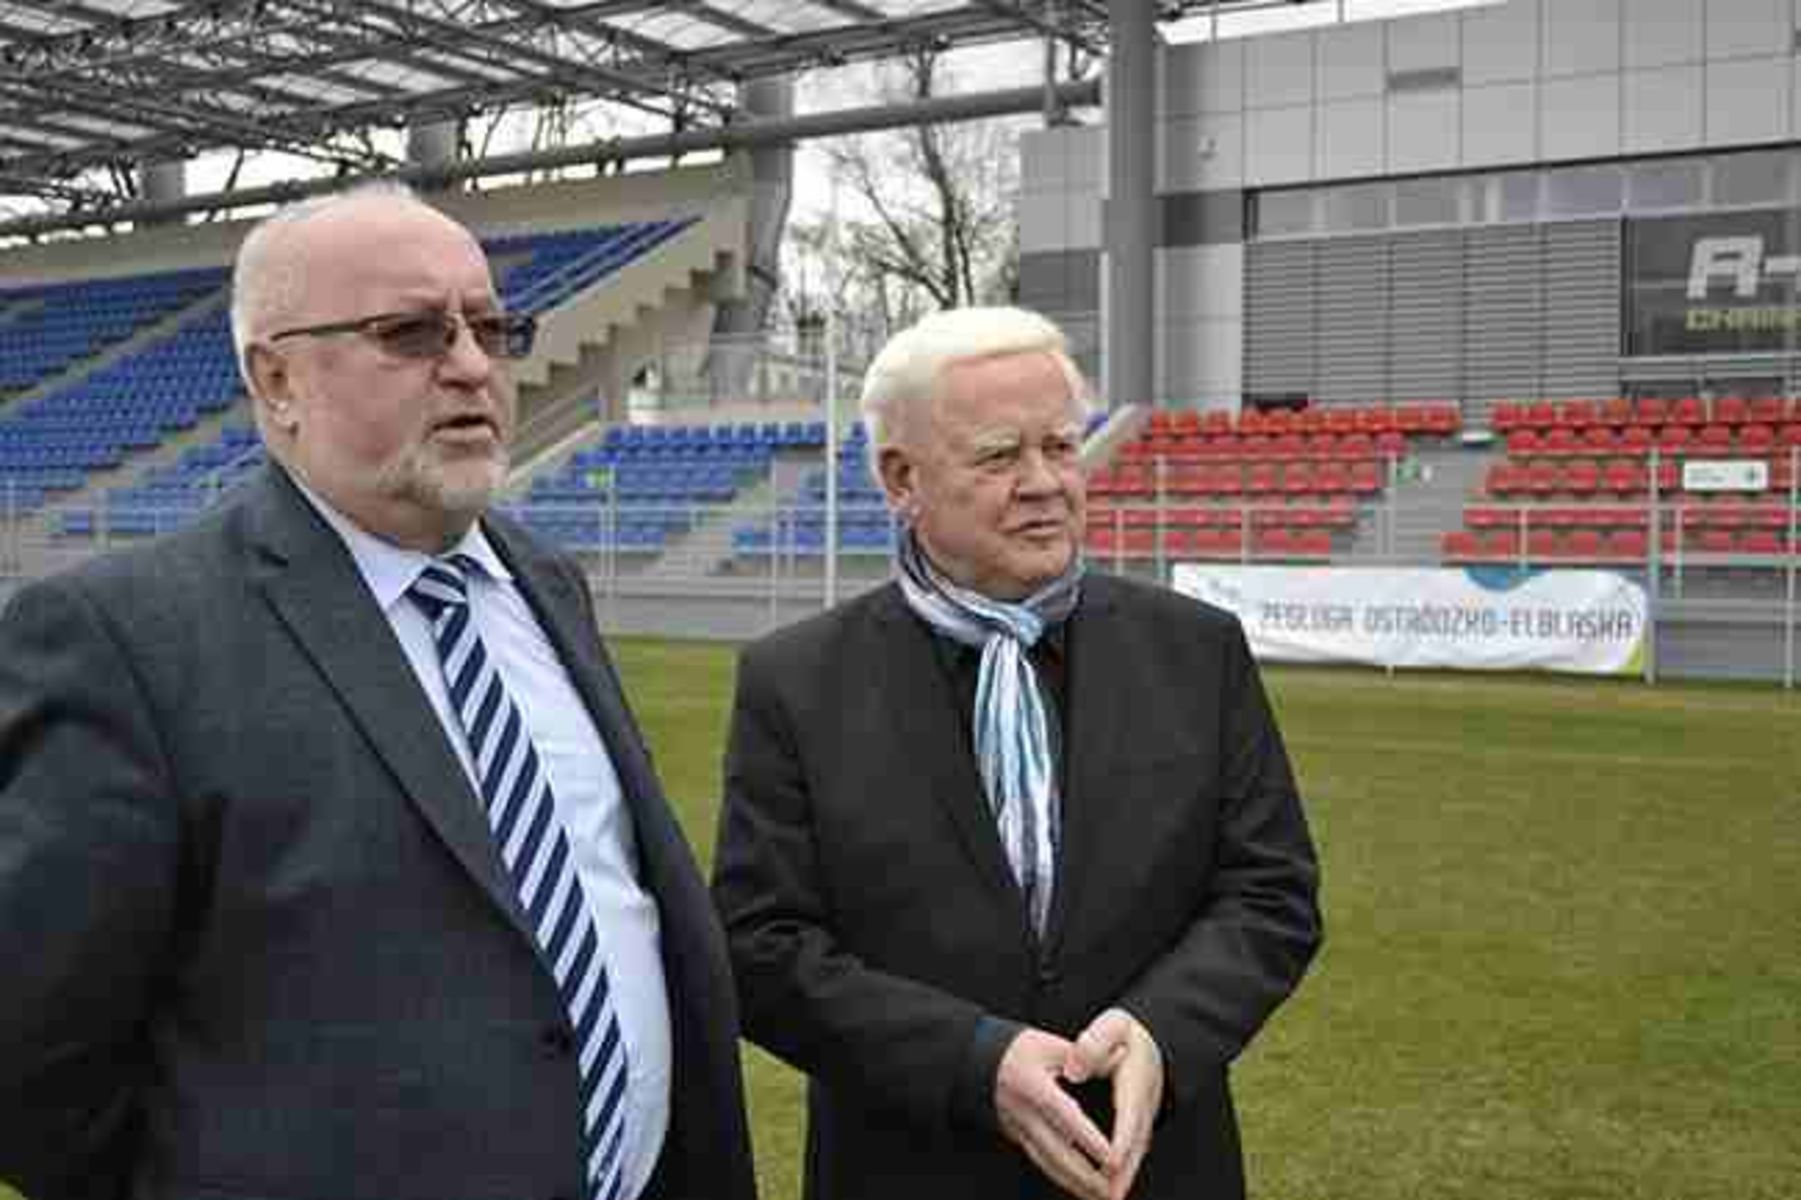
431,333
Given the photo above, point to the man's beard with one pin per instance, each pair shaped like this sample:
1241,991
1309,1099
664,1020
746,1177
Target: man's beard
462,487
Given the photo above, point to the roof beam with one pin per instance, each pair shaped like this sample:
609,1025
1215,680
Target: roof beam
741,135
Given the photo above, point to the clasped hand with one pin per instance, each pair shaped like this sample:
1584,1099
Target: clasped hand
1045,1121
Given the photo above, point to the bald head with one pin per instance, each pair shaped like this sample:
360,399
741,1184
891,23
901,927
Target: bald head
287,265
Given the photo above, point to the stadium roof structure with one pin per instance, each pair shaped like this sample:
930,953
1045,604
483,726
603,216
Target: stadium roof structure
91,91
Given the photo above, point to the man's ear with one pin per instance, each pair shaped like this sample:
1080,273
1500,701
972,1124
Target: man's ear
272,385
900,481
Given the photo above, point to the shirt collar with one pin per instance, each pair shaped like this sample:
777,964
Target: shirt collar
390,570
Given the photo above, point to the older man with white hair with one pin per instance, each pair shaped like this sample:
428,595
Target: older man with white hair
1011,860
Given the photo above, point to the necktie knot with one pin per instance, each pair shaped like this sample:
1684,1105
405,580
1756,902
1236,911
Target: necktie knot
443,584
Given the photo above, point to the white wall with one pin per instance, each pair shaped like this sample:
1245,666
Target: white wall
1539,81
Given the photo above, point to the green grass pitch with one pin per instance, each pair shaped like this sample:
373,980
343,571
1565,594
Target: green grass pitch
1563,951
1563,954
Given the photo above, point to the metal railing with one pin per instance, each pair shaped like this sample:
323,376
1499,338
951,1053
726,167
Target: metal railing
772,557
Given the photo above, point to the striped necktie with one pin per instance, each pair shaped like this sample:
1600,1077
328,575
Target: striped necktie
535,848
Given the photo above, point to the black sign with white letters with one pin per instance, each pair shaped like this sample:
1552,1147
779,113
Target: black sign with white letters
1719,284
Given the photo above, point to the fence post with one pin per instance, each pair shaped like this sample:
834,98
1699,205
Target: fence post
1654,558
1793,558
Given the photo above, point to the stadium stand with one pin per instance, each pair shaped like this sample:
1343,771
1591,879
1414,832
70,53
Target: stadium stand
1284,484
1577,479
95,419
644,484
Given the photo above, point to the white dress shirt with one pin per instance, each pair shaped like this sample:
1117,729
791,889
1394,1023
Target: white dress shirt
582,780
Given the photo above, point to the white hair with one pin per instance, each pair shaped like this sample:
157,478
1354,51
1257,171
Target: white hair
266,282
904,376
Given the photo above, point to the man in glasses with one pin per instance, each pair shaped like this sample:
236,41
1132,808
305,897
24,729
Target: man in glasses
331,861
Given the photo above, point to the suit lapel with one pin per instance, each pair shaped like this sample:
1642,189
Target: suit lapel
927,718
1098,694
312,583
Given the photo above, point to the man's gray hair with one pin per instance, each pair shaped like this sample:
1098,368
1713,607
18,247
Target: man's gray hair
904,376
266,283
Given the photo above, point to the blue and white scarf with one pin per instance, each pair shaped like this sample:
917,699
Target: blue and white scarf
1011,726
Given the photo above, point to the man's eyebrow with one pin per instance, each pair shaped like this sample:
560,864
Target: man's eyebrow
988,440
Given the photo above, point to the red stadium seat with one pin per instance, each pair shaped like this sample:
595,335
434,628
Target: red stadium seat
1444,420
1689,410
1628,544
1297,478
1490,516
1460,545
1673,438
1543,478
1577,414
1766,410
1581,477
1524,443
1731,410
1600,439
1756,439
1714,438
1650,410
1312,543
1636,439
1616,412
1262,479
1583,543
1762,541
1624,477
1562,440
1501,543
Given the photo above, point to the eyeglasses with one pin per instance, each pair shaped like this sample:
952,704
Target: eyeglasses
431,332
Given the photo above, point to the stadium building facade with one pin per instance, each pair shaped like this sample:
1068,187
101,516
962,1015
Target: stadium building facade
1522,200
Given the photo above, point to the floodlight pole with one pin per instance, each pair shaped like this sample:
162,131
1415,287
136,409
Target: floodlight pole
1130,323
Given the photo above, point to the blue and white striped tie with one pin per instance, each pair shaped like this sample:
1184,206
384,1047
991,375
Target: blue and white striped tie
535,848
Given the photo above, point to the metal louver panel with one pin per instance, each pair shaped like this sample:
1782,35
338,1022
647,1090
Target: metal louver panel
1352,319
1503,315
1581,309
1280,337
1426,333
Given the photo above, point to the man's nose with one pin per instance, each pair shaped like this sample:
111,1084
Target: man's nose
466,361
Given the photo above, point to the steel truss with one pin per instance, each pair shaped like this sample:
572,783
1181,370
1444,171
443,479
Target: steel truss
117,85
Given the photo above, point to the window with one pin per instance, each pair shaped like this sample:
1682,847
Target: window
1518,194
1582,192
1652,187
1429,202
1357,206
1279,213
1758,178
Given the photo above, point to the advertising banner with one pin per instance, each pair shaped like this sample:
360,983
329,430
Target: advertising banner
1721,283
1586,622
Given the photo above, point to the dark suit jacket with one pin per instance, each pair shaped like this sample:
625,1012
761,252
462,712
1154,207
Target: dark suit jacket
878,936
258,940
